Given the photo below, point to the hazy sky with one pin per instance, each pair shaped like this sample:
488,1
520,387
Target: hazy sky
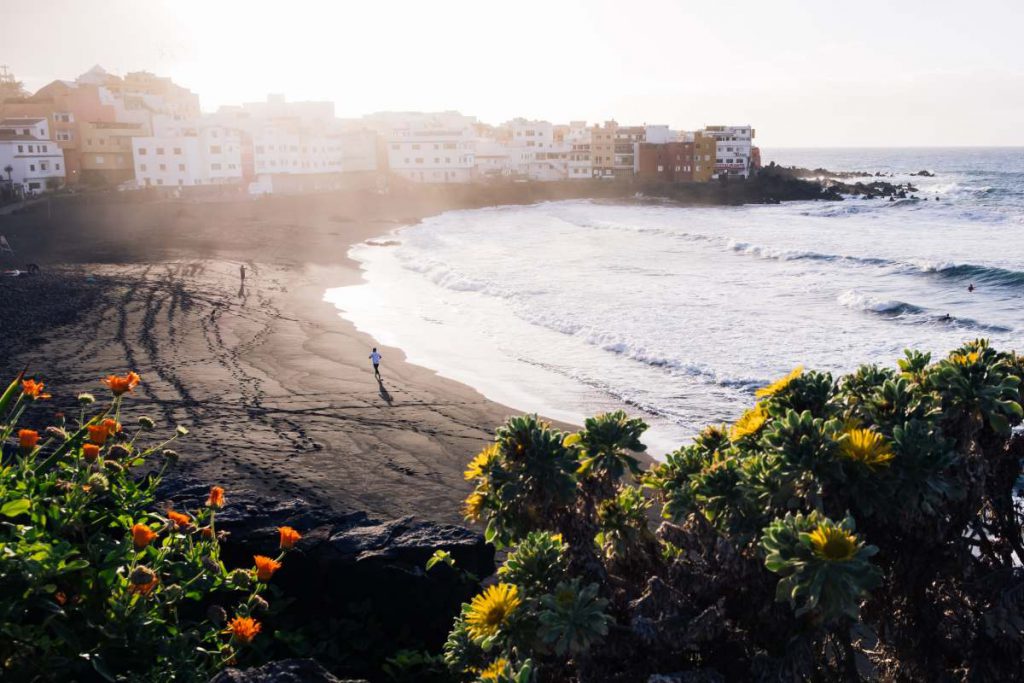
804,72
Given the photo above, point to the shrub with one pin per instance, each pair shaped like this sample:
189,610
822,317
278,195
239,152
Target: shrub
864,526
93,579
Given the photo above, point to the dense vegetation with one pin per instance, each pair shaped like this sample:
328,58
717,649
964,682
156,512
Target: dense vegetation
852,528
859,527
94,582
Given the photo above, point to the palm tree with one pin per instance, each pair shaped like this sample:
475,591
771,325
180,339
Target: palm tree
8,169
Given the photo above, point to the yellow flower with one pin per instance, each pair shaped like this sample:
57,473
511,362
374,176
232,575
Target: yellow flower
867,447
965,359
474,507
780,384
480,462
495,670
490,610
750,423
833,543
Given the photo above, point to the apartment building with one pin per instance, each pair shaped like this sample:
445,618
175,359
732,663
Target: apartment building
105,151
188,155
733,149
428,148
578,137
29,160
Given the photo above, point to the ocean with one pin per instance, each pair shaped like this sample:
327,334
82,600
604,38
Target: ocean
678,314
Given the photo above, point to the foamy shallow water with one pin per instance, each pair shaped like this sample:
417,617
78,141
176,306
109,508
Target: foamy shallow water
678,314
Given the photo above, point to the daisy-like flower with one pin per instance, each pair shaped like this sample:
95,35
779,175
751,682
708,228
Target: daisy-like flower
27,439
98,434
495,670
142,536
33,389
476,467
182,521
90,452
750,423
490,610
216,497
780,384
833,543
965,359
265,567
122,384
142,581
867,447
243,629
474,506
289,537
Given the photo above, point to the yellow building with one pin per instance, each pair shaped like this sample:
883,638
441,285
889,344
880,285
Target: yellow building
704,150
106,151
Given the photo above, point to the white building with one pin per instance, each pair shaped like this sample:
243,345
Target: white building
578,138
429,148
733,149
35,162
186,155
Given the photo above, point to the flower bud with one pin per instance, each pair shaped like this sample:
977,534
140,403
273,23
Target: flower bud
57,433
211,565
170,455
146,422
181,430
173,592
217,615
86,398
118,452
142,576
259,604
112,466
241,578
99,482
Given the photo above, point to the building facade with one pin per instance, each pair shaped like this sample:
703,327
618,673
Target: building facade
29,160
733,149
188,156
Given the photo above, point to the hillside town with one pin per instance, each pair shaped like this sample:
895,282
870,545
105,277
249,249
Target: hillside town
142,131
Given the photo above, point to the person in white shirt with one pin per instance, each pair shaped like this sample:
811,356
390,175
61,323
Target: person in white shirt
375,359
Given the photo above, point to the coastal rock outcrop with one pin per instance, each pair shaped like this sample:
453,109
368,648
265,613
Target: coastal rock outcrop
284,671
353,584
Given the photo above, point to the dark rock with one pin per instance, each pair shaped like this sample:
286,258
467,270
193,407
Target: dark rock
284,671
351,579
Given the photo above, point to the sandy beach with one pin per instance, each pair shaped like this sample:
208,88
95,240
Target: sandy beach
274,386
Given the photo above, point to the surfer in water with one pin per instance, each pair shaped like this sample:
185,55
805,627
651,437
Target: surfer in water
970,287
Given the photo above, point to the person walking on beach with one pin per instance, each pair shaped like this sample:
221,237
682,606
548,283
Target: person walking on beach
241,270
375,359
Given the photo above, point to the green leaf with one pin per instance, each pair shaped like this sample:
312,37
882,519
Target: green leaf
13,508
10,392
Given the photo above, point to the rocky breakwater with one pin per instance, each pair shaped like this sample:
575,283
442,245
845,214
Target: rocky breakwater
355,590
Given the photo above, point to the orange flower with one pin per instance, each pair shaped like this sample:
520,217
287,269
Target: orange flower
28,438
216,499
265,567
142,536
112,426
120,384
33,389
97,434
243,629
90,452
206,532
142,581
289,537
181,520
143,588
60,598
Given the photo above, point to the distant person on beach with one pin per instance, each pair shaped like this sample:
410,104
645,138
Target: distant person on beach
241,269
970,287
375,359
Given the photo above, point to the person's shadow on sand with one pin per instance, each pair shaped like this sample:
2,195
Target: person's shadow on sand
383,391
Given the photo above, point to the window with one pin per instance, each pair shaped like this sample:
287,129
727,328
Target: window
181,167
159,181
142,151
214,149
415,146
159,150
214,167
419,160
32,167
259,149
163,167
30,149
177,150
142,167
21,149
99,159
58,166
45,148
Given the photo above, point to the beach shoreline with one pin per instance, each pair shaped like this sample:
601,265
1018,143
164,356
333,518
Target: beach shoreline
273,384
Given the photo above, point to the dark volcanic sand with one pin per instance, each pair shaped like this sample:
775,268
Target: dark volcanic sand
275,387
